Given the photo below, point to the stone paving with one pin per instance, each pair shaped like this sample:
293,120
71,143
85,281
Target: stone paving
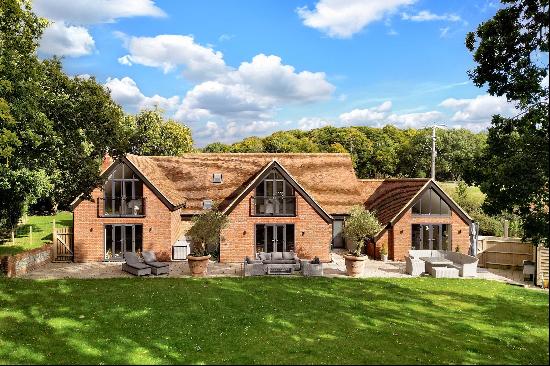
336,268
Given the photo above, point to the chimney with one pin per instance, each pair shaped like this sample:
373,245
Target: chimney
107,161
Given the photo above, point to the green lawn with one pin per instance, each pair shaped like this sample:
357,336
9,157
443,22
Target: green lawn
271,320
41,232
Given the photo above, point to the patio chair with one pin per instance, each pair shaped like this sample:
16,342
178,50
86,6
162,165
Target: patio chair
157,268
312,268
414,266
134,266
254,267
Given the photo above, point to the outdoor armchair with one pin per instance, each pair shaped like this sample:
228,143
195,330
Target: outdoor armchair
134,266
414,266
157,268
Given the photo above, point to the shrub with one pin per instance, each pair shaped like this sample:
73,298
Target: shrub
361,225
205,232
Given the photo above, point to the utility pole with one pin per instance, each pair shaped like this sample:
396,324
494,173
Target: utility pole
434,153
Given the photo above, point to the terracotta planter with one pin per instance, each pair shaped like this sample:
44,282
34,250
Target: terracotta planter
198,265
355,265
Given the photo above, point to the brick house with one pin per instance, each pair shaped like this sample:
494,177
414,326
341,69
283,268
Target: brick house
275,202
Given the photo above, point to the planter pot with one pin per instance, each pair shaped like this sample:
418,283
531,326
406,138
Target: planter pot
545,283
198,265
384,258
355,265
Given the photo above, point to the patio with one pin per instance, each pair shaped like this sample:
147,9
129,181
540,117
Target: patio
336,268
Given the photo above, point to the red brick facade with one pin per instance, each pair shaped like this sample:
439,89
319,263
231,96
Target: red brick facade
312,234
159,227
398,238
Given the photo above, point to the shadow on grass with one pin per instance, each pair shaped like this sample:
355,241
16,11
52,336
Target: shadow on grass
271,320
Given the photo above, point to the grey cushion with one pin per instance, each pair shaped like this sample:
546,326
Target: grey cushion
276,256
288,255
131,258
149,256
158,264
264,256
137,265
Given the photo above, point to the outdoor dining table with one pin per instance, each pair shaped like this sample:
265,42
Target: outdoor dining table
435,262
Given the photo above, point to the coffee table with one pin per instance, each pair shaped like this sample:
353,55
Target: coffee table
435,262
280,269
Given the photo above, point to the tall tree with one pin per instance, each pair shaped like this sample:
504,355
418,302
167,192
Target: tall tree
511,52
153,135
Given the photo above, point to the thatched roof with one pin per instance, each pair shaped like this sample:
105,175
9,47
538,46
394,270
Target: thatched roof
187,180
387,197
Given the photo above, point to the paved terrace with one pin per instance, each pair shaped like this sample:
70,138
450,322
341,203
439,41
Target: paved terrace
336,268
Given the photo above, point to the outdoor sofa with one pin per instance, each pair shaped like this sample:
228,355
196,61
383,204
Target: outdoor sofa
157,268
134,266
465,264
260,265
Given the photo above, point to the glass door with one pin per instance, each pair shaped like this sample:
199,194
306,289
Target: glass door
120,239
431,236
274,238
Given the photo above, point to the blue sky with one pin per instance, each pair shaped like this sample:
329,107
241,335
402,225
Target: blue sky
231,69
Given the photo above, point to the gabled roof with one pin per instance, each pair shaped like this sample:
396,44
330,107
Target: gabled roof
389,196
392,198
185,181
274,165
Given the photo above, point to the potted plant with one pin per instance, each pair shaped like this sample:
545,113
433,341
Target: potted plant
205,238
360,226
384,253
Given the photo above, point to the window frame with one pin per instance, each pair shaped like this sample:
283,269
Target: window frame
442,202
274,177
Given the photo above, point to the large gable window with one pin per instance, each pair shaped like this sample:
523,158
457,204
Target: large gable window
431,204
123,193
274,196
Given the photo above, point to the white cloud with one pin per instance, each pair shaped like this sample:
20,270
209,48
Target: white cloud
479,109
426,15
443,32
126,93
95,11
169,51
310,123
367,115
254,91
67,36
415,120
62,40
344,18
232,131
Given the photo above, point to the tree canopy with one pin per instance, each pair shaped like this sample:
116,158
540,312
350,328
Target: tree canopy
511,55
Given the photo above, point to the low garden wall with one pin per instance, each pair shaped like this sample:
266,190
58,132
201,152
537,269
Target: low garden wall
15,265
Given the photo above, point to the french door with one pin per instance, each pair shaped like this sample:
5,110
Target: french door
274,237
120,239
431,236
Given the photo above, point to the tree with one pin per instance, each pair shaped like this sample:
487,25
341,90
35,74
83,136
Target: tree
249,145
361,225
86,124
511,55
216,147
152,135
205,232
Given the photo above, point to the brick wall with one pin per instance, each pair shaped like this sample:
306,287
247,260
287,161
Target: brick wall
15,265
399,237
158,223
313,235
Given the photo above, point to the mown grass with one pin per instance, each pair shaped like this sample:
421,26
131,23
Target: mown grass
271,320
41,233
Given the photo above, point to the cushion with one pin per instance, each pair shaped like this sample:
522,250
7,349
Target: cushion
276,256
131,258
149,256
158,264
137,265
288,255
262,256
